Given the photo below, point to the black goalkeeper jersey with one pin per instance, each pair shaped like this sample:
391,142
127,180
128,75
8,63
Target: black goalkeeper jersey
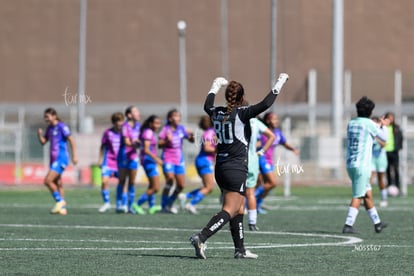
233,134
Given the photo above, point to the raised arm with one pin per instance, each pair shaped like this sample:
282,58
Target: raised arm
215,87
267,102
209,103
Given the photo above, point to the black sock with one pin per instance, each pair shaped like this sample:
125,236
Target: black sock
237,233
177,191
215,224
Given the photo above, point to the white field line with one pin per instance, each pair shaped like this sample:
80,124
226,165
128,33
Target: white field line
344,240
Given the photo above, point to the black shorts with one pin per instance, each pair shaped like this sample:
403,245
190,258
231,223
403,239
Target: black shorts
231,179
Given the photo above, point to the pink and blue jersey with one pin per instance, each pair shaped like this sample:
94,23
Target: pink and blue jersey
148,135
279,140
57,136
127,155
208,136
111,141
204,160
172,152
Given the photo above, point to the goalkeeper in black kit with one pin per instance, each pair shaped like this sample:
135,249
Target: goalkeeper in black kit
231,124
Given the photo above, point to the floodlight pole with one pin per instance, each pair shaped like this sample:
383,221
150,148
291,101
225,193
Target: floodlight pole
273,31
82,66
181,25
337,73
337,67
224,39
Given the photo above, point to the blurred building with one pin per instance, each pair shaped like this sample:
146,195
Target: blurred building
132,48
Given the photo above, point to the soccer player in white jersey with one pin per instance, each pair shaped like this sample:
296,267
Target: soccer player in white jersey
361,133
257,128
380,162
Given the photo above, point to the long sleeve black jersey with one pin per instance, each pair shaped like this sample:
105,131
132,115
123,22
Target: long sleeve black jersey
233,133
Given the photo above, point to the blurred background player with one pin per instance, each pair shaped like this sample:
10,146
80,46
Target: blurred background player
128,160
393,146
257,128
231,124
204,163
149,161
361,132
171,140
108,153
266,162
379,161
58,135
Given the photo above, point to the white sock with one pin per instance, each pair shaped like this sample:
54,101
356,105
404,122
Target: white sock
351,217
373,214
252,216
384,194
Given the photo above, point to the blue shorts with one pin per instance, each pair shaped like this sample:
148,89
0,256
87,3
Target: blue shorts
108,172
59,166
175,169
203,165
264,166
360,181
150,168
128,164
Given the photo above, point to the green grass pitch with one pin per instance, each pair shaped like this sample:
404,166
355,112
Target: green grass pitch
300,234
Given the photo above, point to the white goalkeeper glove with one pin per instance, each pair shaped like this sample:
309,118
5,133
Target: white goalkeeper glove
217,84
283,77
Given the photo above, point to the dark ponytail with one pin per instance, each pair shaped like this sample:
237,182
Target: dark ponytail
234,96
148,121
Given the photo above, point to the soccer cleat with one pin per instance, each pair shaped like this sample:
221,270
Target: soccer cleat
283,77
58,207
253,227
199,247
191,208
348,229
183,198
154,209
122,209
173,210
169,210
264,206
380,226
261,211
246,255
63,211
383,203
136,209
105,207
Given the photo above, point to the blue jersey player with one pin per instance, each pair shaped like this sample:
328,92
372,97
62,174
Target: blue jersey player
59,136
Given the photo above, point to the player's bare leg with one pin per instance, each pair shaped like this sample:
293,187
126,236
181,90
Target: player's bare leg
52,183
